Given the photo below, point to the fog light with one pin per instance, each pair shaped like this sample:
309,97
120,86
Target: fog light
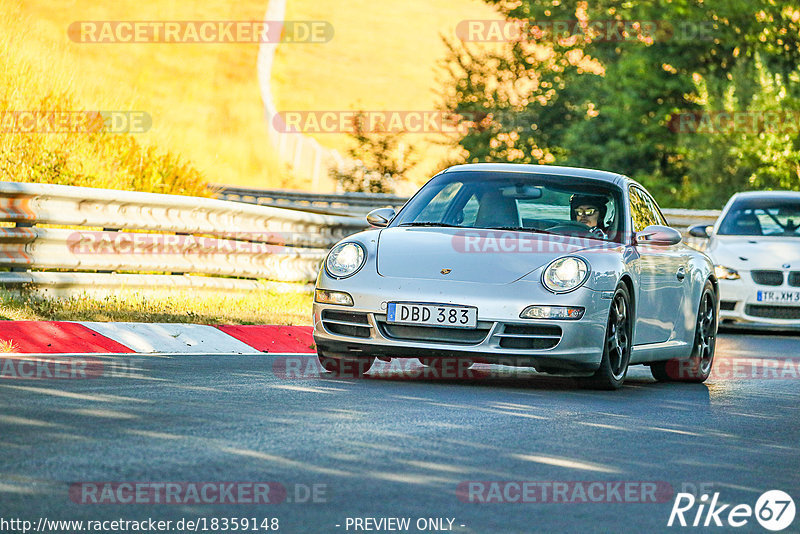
552,312
341,298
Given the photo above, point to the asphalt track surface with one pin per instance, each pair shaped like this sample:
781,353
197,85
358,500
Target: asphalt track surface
395,446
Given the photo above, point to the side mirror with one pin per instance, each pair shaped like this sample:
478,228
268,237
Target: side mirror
661,236
700,230
380,217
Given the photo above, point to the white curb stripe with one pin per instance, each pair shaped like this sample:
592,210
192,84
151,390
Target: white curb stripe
149,338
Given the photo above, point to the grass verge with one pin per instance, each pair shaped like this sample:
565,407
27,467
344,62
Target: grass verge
258,307
204,99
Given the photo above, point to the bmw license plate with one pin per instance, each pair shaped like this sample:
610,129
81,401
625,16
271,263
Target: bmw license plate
779,297
432,315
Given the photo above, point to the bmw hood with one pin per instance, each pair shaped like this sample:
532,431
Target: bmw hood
467,255
749,253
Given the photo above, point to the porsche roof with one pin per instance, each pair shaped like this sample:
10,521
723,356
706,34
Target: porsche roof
540,169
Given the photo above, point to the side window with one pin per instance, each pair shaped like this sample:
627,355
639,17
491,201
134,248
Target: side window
469,212
436,209
656,211
644,211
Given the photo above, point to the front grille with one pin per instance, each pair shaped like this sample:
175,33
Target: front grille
794,278
460,336
768,278
529,337
727,305
345,323
773,312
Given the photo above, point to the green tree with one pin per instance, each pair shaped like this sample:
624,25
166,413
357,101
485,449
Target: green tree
608,103
378,160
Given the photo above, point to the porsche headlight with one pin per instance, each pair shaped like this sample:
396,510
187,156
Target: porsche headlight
345,259
726,273
565,274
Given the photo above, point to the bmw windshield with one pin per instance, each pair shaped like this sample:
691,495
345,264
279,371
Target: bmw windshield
539,203
763,217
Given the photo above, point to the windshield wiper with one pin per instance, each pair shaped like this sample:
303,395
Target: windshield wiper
443,225
521,229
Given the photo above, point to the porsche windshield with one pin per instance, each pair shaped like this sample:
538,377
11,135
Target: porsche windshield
563,205
763,217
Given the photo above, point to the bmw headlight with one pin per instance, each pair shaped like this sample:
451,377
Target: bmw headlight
565,274
726,273
345,259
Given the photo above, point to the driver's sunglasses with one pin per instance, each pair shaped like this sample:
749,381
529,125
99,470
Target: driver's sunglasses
586,213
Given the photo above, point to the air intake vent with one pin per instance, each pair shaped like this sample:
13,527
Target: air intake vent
459,336
529,337
345,323
768,278
773,312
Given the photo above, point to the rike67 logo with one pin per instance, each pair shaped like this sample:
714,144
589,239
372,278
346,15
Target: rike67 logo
774,510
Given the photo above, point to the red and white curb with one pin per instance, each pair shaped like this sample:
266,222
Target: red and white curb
66,337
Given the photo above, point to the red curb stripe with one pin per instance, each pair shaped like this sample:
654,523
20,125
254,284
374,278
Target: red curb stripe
273,338
56,338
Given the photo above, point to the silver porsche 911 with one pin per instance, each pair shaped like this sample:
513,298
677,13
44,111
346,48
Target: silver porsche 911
570,271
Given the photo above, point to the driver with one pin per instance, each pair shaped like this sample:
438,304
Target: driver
591,211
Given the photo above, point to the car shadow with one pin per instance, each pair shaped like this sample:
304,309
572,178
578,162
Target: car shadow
760,330
526,379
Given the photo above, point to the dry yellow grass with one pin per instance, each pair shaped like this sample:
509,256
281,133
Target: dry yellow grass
383,57
258,307
8,346
204,98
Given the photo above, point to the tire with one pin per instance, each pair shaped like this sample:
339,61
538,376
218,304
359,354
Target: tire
698,366
346,366
618,343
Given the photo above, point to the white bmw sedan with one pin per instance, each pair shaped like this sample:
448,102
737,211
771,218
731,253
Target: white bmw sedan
755,246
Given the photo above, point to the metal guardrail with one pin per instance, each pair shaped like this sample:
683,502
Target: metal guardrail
128,232
84,238
328,203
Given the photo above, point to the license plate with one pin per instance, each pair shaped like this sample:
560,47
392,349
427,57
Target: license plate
432,315
778,296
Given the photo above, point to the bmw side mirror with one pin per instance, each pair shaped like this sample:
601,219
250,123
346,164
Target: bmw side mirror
661,236
700,230
380,217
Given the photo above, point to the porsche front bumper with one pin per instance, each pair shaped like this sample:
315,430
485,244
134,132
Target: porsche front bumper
574,346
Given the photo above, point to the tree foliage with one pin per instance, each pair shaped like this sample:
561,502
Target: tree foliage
617,103
378,160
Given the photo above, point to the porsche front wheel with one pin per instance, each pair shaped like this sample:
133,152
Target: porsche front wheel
618,343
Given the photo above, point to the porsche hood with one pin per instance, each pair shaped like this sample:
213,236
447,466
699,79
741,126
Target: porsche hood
467,255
